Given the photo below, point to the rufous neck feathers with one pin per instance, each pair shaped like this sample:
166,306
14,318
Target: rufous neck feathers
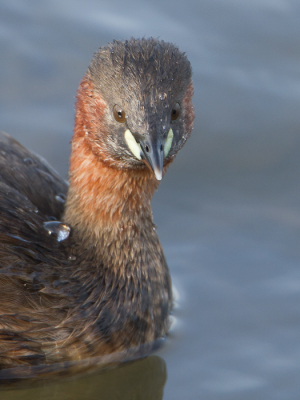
103,199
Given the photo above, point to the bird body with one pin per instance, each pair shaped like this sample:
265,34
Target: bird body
87,276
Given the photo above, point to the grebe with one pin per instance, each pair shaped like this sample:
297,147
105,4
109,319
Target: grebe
82,270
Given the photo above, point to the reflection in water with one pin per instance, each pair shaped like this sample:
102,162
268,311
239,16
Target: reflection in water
141,379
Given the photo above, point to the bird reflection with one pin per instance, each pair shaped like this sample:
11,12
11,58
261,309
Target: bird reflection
141,379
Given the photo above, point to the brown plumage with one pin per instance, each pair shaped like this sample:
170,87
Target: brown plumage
106,287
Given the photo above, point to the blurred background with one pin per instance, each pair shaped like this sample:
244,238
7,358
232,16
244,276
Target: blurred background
227,211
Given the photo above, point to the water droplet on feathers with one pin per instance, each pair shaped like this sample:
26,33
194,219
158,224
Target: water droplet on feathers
28,161
61,230
60,197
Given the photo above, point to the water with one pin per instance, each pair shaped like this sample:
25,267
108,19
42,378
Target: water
57,228
228,209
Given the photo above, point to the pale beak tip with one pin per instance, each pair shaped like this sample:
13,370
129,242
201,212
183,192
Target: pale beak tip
158,174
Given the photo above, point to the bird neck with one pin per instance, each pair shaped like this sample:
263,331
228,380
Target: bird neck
111,218
107,207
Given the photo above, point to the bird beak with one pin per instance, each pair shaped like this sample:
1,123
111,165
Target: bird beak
153,155
150,149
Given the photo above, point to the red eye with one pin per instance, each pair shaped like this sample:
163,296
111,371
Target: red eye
175,112
119,114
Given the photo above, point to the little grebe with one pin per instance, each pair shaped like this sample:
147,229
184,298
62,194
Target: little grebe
99,283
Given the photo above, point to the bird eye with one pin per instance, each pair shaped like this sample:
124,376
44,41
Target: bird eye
119,114
175,112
